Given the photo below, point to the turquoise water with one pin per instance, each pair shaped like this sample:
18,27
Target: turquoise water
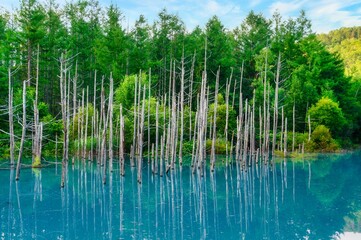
310,199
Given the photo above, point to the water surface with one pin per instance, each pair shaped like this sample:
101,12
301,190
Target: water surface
310,199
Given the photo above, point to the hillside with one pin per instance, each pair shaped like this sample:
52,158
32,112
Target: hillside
347,43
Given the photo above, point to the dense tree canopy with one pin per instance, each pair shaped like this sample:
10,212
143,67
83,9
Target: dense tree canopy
98,42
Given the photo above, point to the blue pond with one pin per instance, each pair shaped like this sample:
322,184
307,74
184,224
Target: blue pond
309,199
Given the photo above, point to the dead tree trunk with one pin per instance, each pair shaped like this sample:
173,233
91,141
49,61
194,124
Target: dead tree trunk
282,129
121,141
110,106
75,97
37,139
240,119
275,113
140,140
11,119
293,127
285,140
213,150
265,106
174,126
191,96
23,133
134,123
64,111
86,124
95,123
181,111
228,88
82,120
156,138
149,95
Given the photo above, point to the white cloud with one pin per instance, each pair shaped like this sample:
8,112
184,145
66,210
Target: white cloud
328,15
325,15
213,7
286,8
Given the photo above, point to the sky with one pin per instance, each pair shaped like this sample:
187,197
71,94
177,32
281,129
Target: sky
325,15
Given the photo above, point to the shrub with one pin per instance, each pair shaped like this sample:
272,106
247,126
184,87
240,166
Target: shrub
327,112
321,140
220,146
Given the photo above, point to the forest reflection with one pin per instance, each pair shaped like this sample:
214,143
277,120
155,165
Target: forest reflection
285,200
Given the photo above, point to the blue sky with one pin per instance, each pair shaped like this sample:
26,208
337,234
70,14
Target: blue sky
325,14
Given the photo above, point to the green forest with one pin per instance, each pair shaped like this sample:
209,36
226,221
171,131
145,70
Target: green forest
294,88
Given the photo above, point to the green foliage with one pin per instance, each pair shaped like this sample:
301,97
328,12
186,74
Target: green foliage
327,112
221,118
251,37
80,118
220,45
124,94
322,141
345,42
36,163
187,147
335,37
94,40
220,146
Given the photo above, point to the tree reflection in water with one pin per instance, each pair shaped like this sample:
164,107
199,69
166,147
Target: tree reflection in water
315,198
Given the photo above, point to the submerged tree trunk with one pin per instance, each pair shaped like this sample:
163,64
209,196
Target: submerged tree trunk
191,96
94,121
110,106
293,127
63,96
156,138
132,152
86,124
285,140
11,120
149,95
121,141
275,115
213,151
23,133
140,140
228,89
181,112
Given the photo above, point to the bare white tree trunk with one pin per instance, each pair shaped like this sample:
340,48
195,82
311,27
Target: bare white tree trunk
94,121
86,124
82,130
22,134
75,80
275,113
293,127
140,139
149,95
64,114
11,119
213,150
121,141
285,140
132,152
282,129
181,111
156,138
228,88
110,106
191,96
174,126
